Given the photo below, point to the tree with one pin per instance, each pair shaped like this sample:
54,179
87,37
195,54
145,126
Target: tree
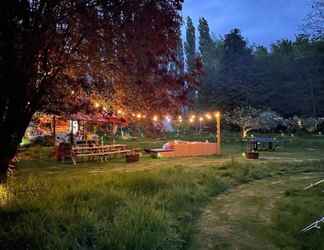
234,86
210,60
206,43
292,86
193,61
180,58
50,49
190,45
249,119
314,23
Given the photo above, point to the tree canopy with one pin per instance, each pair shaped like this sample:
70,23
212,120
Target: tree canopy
55,52
287,78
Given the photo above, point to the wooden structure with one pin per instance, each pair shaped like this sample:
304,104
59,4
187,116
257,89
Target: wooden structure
94,152
45,124
218,132
186,149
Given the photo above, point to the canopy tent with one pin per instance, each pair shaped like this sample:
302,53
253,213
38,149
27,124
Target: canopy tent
52,125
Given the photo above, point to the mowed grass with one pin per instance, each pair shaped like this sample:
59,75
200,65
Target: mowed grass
264,214
153,204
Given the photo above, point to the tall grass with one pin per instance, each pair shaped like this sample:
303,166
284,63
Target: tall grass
296,210
138,210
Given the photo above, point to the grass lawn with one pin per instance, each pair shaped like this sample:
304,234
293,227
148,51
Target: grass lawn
159,203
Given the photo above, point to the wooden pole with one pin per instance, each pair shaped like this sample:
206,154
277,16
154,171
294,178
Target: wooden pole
218,132
54,129
72,135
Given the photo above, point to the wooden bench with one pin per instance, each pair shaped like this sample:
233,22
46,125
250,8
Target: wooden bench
105,152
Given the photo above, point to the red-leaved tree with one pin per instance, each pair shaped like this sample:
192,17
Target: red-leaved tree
57,53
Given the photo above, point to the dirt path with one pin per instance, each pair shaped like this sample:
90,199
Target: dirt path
233,220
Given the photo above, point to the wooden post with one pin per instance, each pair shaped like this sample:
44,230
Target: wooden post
72,135
54,129
218,132
84,130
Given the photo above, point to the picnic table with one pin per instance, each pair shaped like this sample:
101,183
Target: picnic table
79,153
104,152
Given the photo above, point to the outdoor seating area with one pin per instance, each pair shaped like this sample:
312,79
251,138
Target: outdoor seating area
94,152
162,125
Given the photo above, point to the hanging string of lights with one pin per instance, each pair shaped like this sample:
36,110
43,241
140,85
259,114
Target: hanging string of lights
180,119
168,118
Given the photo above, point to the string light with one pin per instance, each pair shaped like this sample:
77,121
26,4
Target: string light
208,116
97,105
168,118
155,118
119,112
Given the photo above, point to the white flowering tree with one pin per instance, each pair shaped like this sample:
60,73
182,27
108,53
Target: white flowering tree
249,119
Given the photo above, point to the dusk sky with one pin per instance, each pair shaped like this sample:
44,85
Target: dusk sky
261,21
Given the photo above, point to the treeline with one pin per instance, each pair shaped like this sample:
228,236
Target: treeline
287,78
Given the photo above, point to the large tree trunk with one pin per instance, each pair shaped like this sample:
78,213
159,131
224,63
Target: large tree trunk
6,154
8,148
13,125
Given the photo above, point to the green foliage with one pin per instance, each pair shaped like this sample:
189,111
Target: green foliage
287,78
210,56
190,45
